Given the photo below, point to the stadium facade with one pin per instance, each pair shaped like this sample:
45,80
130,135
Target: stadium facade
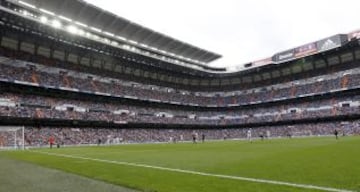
68,67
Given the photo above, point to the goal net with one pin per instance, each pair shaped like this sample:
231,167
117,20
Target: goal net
12,137
302,133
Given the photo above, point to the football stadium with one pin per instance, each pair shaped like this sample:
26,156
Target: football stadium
91,101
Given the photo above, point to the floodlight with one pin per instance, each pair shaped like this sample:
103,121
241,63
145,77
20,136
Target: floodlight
56,24
95,29
110,34
114,43
27,4
96,37
132,41
106,40
81,32
72,29
122,38
43,19
25,12
81,24
48,12
65,18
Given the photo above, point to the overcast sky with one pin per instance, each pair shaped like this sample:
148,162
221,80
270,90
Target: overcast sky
241,30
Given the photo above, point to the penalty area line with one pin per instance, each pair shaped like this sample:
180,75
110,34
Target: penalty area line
303,186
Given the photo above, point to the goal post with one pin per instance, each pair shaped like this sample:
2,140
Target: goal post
12,137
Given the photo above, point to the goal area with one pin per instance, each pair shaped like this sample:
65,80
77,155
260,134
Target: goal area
12,137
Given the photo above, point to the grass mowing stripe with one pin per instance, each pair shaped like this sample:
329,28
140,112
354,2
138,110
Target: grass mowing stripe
20,176
304,186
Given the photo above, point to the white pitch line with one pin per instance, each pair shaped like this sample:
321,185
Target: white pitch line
304,186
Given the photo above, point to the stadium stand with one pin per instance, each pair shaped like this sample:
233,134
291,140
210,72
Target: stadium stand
83,85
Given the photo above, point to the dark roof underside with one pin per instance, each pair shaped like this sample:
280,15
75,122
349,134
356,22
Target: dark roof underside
91,15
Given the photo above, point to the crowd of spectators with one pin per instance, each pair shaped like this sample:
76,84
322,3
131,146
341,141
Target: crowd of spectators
85,82
45,107
51,74
39,136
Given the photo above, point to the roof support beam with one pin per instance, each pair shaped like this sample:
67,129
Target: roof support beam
81,11
120,32
145,38
111,25
136,32
97,19
193,55
62,6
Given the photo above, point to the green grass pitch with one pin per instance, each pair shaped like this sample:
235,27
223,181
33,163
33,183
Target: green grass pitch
320,161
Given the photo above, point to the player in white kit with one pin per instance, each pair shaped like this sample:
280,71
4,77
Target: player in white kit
248,135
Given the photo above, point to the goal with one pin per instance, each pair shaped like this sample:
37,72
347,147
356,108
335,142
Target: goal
303,133
12,137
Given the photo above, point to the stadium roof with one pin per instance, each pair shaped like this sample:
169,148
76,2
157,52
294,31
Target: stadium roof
102,20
